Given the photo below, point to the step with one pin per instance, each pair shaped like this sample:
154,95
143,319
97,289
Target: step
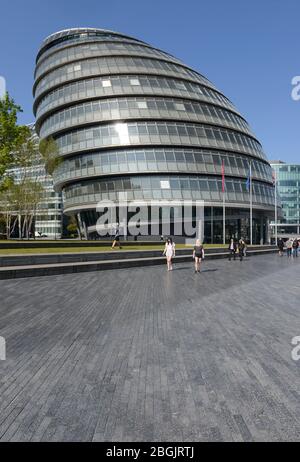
50,269
74,257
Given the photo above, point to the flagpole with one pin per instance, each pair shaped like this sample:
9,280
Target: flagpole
224,219
224,205
276,232
251,206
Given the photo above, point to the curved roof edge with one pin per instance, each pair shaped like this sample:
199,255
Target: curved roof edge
65,32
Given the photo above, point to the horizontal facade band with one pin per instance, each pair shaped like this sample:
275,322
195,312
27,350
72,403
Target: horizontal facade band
157,133
127,85
68,174
99,50
157,187
110,66
79,34
141,108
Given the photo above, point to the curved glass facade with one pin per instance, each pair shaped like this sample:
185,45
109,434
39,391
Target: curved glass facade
160,160
128,117
131,108
94,88
180,187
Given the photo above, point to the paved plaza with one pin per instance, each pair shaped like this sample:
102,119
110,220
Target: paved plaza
146,355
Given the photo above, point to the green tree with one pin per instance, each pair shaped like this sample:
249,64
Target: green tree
19,147
19,203
12,135
21,195
72,226
50,154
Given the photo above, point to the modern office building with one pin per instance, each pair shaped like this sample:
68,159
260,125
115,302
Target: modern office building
130,118
288,187
48,217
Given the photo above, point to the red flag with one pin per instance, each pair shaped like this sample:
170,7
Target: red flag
223,176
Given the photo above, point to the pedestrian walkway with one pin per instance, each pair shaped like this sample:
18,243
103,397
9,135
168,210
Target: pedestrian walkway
150,355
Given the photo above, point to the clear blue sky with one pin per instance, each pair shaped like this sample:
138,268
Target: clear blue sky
249,50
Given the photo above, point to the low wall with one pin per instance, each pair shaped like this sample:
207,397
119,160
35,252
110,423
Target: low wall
40,259
107,261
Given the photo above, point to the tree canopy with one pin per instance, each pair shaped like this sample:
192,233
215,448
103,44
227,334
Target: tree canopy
12,135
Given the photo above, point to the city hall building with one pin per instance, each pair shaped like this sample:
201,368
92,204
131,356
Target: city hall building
133,121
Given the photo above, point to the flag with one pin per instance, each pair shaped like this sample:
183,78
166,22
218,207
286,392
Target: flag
274,177
248,182
223,176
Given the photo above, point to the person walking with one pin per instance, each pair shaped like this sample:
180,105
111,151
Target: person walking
245,248
280,247
198,255
116,240
241,248
169,252
289,247
232,249
295,246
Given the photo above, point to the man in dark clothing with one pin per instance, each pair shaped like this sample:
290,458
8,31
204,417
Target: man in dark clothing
241,248
232,249
295,247
280,247
116,240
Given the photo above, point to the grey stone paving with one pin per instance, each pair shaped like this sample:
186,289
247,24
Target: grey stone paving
146,355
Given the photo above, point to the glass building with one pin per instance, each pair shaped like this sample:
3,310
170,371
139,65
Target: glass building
130,118
288,187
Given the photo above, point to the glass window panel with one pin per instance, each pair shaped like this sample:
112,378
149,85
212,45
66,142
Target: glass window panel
169,156
106,83
191,131
134,82
179,107
140,156
172,129
182,130
143,129
132,130
142,104
152,129
162,129
165,184
160,157
189,157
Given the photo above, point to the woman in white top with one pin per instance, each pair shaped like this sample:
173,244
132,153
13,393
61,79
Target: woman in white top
169,252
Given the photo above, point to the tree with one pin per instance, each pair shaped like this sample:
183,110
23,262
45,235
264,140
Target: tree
26,155
50,154
8,205
2,225
72,226
21,194
12,135
20,148
19,203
